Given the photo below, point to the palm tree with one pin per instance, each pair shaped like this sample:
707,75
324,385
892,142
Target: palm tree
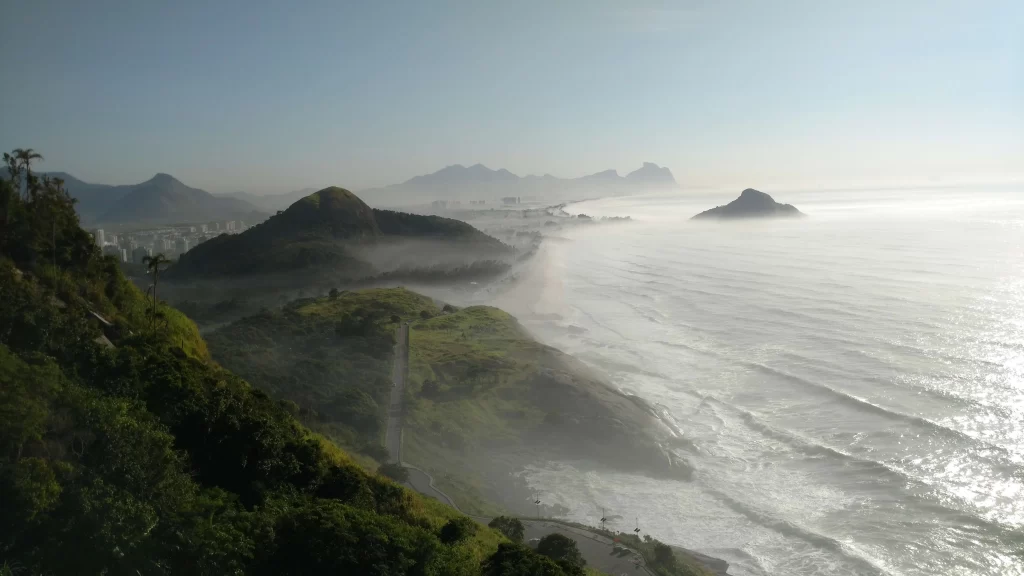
24,158
153,264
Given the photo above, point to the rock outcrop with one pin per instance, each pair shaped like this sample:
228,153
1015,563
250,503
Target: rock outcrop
751,204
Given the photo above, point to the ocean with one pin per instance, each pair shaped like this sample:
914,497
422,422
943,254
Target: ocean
849,386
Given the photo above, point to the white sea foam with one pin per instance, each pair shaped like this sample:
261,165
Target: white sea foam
849,387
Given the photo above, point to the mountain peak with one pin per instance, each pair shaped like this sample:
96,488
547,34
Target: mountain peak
752,204
651,173
163,177
333,208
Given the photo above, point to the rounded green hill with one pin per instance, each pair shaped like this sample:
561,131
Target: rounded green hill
333,208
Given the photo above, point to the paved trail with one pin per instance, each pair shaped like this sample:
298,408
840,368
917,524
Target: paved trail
399,376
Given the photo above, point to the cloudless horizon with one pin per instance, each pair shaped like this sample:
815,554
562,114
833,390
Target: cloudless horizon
270,97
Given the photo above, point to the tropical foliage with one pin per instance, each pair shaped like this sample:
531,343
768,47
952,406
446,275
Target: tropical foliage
125,450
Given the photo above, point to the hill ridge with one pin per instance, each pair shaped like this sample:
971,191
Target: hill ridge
331,230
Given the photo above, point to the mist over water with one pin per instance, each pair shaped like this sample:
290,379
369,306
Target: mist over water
849,387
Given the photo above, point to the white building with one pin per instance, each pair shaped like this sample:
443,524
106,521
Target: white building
100,240
181,245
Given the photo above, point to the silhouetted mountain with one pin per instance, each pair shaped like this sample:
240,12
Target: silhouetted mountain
751,204
479,182
164,199
459,175
652,174
334,233
160,200
93,199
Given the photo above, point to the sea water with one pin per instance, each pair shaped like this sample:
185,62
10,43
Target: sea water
849,386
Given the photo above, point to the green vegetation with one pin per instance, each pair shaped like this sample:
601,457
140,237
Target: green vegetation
125,450
661,558
321,238
414,225
395,471
511,528
457,530
330,357
483,396
561,549
518,560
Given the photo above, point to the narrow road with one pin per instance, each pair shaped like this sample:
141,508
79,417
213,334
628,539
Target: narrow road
399,376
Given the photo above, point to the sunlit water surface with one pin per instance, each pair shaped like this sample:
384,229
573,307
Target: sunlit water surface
850,386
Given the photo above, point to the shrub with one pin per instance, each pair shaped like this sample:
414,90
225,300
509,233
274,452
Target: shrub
518,560
395,471
457,529
663,555
561,549
512,528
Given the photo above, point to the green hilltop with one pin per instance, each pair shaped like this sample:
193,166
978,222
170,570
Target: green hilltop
327,233
481,392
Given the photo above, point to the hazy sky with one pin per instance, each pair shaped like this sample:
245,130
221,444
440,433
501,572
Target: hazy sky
261,96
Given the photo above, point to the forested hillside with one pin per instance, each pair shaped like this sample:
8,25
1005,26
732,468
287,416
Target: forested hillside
483,398
125,450
333,233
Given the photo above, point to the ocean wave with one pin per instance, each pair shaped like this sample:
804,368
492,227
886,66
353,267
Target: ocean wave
808,446
867,406
862,563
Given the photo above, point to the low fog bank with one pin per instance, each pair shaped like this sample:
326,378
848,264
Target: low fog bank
342,266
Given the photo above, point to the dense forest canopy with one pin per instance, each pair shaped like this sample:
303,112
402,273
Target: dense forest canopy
124,449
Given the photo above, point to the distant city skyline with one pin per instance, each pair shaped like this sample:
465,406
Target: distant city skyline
265,97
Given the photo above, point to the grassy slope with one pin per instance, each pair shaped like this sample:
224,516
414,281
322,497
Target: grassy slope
124,305
479,358
481,389
297,354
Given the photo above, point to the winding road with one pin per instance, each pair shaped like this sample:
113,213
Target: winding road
598,550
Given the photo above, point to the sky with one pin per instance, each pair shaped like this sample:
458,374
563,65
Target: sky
268,96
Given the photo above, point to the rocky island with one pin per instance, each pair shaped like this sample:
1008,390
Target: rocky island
751,204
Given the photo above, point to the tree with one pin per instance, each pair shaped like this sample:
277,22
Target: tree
153,264
663,555
6,200
395,471
331,538
457,529
425,315
395,319
24,157
333,293
512,528
560,548
518,560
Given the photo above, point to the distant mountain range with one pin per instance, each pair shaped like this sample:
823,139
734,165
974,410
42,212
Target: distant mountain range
478,182
160,200
164,200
